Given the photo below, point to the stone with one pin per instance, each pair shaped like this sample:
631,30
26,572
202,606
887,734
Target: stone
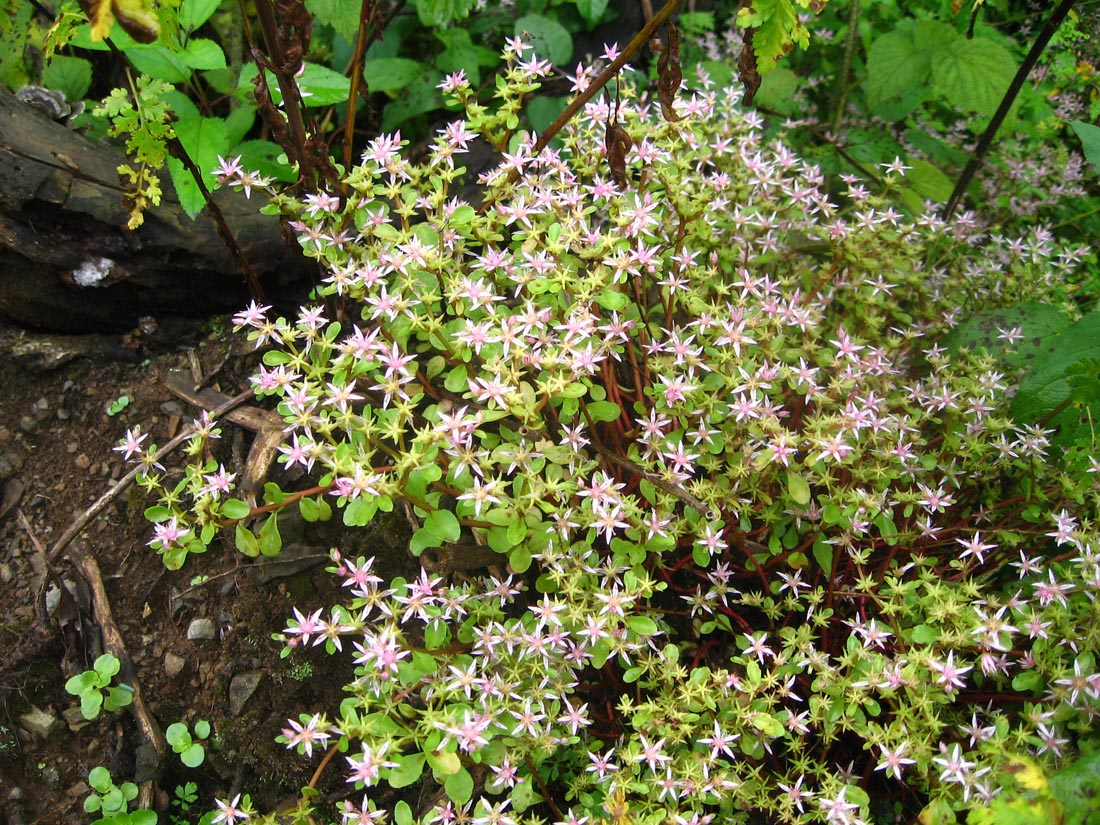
82,462
173,664
201,629
241,689
74,718
38,723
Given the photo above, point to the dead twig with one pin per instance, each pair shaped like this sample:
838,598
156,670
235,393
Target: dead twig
114,644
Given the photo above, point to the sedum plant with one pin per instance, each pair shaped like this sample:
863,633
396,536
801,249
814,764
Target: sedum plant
762,550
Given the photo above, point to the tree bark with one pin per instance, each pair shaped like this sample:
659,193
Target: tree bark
69,264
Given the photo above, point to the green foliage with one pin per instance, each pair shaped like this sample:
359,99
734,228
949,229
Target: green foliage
188,747
777,27
763,513
932,58
1090,141
143,119
113,801
95,690
1061,388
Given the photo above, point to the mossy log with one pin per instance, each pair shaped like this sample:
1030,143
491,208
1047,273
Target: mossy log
69,264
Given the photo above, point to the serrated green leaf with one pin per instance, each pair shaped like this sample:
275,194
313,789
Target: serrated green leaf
342,15
267,158
973,74
894,65
1045,386
928,181
1037,324
72,75
419,97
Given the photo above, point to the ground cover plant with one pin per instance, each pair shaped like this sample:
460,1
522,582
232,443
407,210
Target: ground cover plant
744,491
764,545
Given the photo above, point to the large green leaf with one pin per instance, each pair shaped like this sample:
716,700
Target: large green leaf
1037,323
72,75
203,138
1090,141
321,86
549,38
203,54
193,13
592,10
159,62
894,65
391,74
417,98
1046,386
929,181
342,15
440,12
973,74
461,52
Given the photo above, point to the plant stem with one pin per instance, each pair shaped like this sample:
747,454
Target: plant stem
840,97
632,48
980,151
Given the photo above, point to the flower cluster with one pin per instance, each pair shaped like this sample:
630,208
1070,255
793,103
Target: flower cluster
765,545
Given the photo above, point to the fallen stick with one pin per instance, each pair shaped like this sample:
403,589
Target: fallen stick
85,518
151,734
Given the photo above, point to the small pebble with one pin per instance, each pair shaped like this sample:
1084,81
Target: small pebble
201,629
82,462
38,723
63,414
241,689
72,447
28,424
173,664
6,573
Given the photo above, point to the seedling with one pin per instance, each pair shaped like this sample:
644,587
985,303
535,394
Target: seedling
95,691
190,750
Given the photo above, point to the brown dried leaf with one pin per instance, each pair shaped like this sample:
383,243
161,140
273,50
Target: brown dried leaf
669,74
617,143
138,21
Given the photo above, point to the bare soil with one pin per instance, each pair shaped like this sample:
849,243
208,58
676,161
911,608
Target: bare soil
56,459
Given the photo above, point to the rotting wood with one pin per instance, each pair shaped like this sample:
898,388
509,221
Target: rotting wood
61,213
